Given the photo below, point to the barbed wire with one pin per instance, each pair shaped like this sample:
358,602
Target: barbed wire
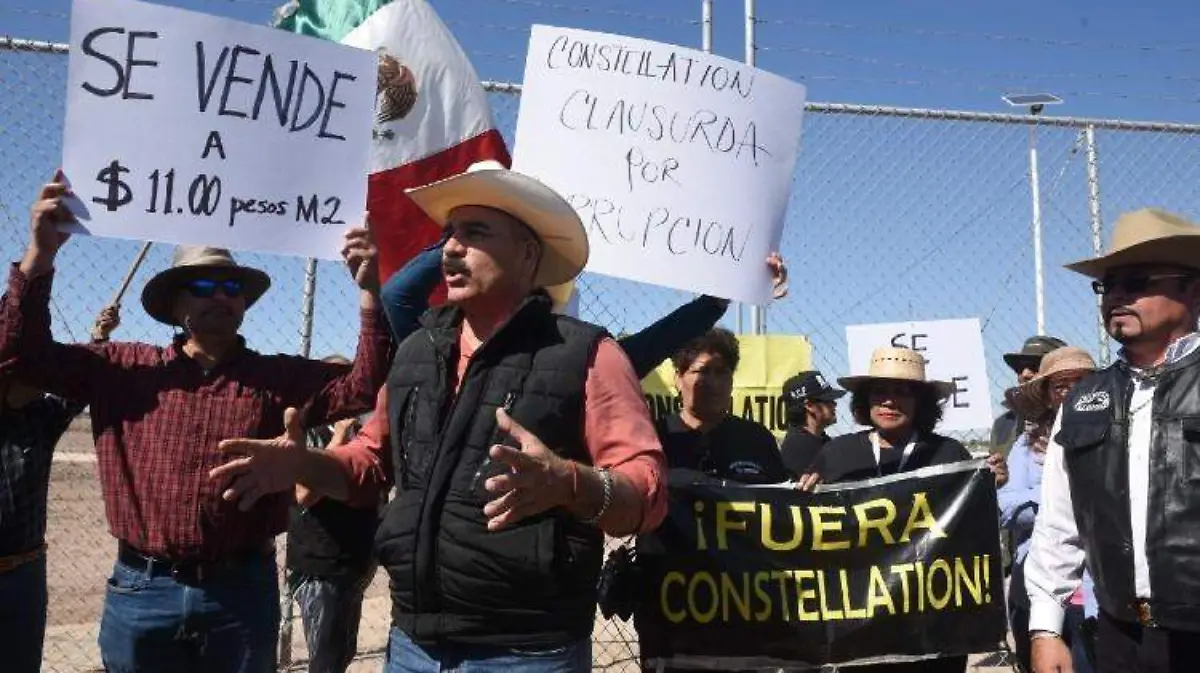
34,12
584,9
1163,98
825,53
993,37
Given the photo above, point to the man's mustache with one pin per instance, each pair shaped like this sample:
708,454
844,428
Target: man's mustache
454,265
1120,310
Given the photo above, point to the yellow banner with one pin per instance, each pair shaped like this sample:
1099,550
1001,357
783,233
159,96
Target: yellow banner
767,361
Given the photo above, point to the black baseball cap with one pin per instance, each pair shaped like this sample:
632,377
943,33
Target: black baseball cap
810,385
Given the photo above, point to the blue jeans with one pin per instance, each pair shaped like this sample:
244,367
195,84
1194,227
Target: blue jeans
331,611
405,656
228,624
23,616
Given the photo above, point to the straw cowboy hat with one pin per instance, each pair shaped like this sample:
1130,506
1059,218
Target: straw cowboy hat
189,263
1147,236
897,364
1031,399
490,184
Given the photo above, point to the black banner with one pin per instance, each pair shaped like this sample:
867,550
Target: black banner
904,565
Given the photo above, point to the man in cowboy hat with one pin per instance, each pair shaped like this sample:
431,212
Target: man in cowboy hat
810,406
1121,483
1025,364
517,439
194,586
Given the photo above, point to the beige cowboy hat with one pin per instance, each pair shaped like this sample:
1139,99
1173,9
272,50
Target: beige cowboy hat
189,263
897,364
1031,399
1147,236
490,184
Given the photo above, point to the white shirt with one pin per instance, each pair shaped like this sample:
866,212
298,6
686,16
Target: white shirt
1056,556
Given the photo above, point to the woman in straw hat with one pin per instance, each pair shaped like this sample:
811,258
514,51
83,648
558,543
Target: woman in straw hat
901,408
1037,400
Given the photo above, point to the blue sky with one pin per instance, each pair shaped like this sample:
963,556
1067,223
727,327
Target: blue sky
890,219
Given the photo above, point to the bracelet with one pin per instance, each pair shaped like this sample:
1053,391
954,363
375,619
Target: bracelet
607,481
1044,635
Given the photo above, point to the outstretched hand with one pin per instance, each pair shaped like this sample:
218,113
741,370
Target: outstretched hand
262,466
539,480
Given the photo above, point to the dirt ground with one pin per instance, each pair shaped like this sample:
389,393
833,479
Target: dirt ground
81,553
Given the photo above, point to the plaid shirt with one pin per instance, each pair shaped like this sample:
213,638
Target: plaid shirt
27,439
157,417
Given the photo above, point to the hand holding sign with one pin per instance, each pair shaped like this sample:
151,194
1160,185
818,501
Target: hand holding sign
362,257
48,214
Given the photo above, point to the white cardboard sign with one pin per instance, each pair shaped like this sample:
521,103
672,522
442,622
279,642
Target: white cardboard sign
188,128
679,162
953,350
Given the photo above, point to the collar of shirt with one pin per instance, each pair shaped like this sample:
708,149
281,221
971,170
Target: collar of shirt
1176,351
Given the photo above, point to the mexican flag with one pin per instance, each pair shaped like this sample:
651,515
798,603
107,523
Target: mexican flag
432,118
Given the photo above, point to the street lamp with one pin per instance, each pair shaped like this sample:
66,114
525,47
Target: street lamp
1036,102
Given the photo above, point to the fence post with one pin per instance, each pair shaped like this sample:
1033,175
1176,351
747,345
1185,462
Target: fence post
1093,179
758,314
306,330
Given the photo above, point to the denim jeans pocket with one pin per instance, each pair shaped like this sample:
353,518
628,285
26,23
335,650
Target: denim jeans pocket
126,581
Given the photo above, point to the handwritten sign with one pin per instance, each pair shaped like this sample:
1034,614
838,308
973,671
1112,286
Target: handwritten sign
679,162
188,128
953,350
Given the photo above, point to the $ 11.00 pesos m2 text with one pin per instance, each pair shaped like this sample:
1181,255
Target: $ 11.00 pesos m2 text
165,193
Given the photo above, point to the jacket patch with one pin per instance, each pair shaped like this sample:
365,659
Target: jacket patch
1098,400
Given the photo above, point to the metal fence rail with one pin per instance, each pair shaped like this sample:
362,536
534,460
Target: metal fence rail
895,214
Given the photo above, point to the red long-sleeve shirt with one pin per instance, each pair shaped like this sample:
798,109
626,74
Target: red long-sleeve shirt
157,417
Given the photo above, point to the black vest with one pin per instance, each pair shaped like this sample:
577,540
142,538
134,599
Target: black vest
452,581
1094,436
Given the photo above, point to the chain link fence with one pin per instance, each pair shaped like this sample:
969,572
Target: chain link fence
895,215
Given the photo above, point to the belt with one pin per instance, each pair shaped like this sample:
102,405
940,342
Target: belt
191,572
1145,615
11,563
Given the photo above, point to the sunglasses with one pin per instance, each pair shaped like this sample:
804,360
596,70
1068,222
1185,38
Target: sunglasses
205,288
1133,283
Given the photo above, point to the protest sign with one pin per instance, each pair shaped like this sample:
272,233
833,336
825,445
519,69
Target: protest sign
953,350
901,566
679,162
767,361
188,128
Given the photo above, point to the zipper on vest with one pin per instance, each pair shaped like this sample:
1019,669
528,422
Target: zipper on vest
410,416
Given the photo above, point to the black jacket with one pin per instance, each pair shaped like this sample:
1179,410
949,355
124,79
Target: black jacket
453,581
1094,436
851,458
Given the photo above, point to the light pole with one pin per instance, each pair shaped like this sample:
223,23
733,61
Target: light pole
1036,102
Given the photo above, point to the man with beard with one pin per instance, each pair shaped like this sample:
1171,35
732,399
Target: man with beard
1121,480
194,585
